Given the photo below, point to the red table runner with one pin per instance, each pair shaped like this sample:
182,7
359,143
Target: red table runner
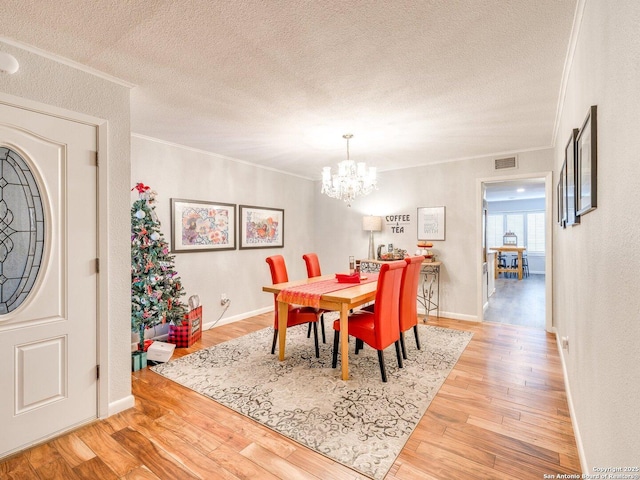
309,294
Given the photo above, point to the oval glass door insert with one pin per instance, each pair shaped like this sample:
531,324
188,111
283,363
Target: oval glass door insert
22,230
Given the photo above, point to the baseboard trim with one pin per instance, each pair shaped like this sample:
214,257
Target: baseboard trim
572,413
460,316
235,318
120,405
452,315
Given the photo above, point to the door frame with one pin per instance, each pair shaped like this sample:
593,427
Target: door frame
102,294
548,235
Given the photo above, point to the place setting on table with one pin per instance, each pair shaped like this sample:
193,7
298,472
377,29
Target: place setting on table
311,292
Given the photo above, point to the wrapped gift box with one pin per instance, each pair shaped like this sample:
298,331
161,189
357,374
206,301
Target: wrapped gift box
189,332
138,361
160,351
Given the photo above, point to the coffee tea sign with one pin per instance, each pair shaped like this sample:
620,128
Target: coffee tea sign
397,223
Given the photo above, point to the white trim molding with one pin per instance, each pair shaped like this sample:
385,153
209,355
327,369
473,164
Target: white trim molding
576,429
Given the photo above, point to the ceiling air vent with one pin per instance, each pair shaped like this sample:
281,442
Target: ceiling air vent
504,163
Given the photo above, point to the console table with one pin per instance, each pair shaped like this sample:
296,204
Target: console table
430,272
428,297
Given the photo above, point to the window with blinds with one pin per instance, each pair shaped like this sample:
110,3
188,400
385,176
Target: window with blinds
528,226
495,230
535,232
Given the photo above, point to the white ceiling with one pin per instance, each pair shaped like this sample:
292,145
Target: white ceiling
522,189
277,83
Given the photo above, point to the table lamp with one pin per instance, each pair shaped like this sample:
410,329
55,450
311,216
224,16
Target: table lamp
371,224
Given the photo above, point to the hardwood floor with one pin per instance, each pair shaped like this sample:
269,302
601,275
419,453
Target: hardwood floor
502,413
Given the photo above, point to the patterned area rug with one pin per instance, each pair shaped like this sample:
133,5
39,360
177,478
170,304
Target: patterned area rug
362,423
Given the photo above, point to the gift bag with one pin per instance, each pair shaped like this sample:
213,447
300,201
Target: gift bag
189,332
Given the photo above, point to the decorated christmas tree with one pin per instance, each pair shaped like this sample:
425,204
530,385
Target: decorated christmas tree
156,288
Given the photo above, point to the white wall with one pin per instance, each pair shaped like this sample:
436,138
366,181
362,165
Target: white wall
178,172
453,184
315,222
596,295
51,83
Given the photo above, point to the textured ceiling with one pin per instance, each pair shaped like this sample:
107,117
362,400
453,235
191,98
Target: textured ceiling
277,83
522,189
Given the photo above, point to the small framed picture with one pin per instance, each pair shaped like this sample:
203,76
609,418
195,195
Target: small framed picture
261,227
431,223
563,181
562,209
570,194
586,169
198,226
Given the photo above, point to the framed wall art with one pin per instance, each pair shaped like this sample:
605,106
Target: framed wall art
261,227
559,204
562,197
198,226
586,169
431,223
570,195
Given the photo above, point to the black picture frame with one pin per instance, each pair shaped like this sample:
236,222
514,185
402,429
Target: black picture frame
200,226
586,169
260,227
571,162
562,210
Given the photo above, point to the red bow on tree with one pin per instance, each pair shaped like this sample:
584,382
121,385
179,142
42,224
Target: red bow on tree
141,187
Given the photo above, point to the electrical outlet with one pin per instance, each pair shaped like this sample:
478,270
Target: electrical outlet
224,299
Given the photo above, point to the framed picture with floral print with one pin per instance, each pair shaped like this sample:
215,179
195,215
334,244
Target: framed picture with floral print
261,227
198,226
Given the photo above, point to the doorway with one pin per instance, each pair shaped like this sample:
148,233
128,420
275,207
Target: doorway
520,208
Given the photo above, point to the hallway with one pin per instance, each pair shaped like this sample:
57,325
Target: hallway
518,302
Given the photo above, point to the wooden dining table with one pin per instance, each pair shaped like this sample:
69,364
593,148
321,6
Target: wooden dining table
508,249
341,300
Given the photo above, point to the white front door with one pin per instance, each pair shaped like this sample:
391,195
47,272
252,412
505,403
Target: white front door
48,276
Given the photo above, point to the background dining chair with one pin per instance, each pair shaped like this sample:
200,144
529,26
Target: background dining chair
408,300
296,315
502,262
313,270
525,265
379,328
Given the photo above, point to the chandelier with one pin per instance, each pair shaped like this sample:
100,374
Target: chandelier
351,180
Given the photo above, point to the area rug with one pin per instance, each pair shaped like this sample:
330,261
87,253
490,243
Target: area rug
362,423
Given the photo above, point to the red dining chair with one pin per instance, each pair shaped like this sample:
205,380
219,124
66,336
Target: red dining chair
313,270
408,300
379,328
296,315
